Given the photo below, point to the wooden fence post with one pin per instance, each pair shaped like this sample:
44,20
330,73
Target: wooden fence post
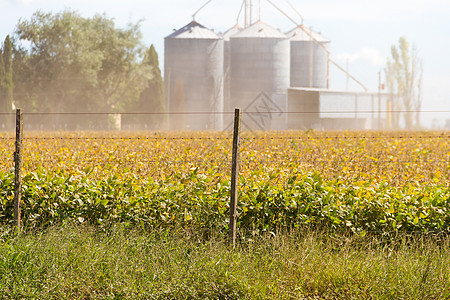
18,170
234,178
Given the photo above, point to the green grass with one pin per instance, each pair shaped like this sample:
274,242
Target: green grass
80,262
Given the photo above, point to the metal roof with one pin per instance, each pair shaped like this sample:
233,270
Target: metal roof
193,30
232,31
304,33
328,91
260,30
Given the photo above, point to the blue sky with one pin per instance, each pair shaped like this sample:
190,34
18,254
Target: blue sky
360,31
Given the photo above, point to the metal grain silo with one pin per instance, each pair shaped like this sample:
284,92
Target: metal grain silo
309,58
226,65
193,75
260,60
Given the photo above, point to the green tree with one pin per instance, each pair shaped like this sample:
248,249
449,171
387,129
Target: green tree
152,98
73,64
6,79
2,79
404,81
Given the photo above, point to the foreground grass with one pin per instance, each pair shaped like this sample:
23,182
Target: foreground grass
83,263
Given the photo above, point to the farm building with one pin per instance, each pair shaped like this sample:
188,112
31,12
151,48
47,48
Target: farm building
279,80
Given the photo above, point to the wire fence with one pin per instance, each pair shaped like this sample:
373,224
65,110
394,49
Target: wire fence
259,117
352,152
400,159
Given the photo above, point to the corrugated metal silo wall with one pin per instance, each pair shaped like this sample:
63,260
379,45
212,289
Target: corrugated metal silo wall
227,106
227,76
195,66
308,64
260,65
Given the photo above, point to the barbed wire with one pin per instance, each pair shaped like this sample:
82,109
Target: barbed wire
137,162
260,161
224,162
224,112
128,138
212,138
344,137
119,138
374,161
244,159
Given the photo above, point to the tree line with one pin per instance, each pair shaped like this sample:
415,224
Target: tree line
63,62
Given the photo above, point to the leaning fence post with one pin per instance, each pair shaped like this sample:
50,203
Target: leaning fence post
234,177
18,170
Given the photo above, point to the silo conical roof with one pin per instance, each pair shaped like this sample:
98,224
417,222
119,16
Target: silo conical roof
232,31
193,30
260,30
304,33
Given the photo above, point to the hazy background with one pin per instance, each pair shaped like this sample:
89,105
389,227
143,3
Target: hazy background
361,32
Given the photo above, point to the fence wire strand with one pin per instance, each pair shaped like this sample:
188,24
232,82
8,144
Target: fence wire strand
315,159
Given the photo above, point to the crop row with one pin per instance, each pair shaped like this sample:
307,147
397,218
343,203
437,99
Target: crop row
359,182
200,201
398,158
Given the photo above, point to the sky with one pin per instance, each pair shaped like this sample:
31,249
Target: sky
361,32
